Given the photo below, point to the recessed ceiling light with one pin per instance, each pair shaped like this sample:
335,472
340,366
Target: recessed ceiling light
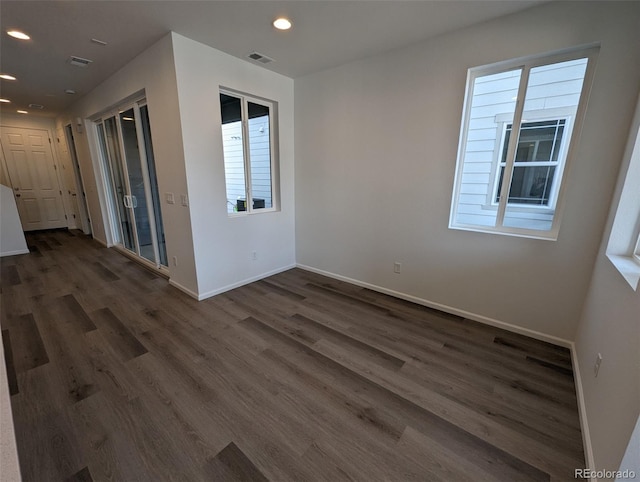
18,34
70,91
22,112
282,23
7,77
5,101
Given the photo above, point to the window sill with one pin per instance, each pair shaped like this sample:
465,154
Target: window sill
241,214
522,208
628,268
550,235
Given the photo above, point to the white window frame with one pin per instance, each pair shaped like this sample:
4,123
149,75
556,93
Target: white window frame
272,106
524,65
623,246
559,165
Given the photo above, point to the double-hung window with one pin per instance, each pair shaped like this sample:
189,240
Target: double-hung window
519,123
249,153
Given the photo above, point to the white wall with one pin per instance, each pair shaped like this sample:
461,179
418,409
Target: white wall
154,72
8,447
224,245
631,459
376,145
12,240
610,325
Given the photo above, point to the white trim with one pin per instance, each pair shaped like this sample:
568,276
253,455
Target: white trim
184,289
102,242
582,412
628,268
525,65
274,161
237,284
554,340
14,253
582,409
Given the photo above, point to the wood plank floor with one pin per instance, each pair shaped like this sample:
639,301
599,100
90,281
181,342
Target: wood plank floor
116,376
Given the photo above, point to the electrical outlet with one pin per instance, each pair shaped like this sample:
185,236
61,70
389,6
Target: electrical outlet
175,261
397,267
254,255
596,366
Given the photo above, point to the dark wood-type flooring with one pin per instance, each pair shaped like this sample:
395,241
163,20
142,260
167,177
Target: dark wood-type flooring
115,375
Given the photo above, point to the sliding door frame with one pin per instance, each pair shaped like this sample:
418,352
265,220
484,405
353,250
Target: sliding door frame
115,222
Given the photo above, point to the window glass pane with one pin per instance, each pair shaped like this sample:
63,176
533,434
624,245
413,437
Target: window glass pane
136,184
543,142
531,185
539,143
260,155
492,106
232,143
111,144
153,182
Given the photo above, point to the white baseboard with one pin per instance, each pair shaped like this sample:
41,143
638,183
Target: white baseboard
447,309
14,253
102,242
184,289
209,294
582,411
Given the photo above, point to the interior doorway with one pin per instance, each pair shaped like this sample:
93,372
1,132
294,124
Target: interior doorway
34,178
78,196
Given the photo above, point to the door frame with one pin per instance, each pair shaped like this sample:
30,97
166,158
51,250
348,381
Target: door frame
55,159
107,170
85,215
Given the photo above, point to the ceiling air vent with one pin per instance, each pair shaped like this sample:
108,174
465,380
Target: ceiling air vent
36,106
263,59
79,61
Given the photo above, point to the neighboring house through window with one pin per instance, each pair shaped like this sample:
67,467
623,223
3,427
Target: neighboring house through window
519,120
537,160
249,158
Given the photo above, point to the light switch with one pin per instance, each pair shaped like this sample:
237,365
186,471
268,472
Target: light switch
169,197
184,199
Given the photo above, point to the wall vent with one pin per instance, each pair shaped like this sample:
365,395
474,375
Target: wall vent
263,59
79,61
36,106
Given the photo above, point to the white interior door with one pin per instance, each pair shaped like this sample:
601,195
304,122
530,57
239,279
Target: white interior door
33,178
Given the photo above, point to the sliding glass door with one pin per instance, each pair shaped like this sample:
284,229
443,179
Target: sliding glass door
124,139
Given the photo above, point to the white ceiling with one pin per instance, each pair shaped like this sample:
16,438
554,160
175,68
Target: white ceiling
325,34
